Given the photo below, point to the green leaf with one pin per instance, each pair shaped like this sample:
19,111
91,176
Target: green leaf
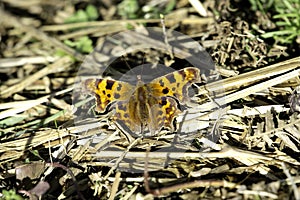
84,44
282,23
170,6
11,195
128,8
70,43
286,15
60,53
79,16
277,33
10,121
92,12
289,6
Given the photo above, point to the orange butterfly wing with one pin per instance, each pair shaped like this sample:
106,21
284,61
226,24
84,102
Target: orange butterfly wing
153,105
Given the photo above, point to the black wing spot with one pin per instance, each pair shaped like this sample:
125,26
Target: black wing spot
121,107
119,88
108,95
117,96
109,84
165,90
164,101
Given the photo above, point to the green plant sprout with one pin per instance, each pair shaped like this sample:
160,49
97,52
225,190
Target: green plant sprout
286,18
83,44
10,195
131,9
89,14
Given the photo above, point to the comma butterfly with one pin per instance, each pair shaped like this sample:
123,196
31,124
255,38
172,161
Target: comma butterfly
152,105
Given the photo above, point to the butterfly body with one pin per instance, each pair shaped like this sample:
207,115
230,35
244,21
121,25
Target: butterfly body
150,105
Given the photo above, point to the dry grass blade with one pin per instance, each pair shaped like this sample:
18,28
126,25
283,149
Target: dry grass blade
21,106
253,76
115,186
58,66
13,62
199,7
10,20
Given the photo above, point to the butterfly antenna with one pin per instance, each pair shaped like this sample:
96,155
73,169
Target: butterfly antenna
144,61
127,64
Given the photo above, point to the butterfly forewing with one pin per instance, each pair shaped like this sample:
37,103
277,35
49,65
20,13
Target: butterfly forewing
107,91
176,84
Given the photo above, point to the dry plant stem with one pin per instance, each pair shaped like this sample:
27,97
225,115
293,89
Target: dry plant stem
188,185
249,90
115,186
253,76
164,180
199,7
21,106
121,157
106,140
14,149
258,135
96,32
226,152
129,194
261,86
11,20
124,23
146,41
194,184
13,62
261,194
18,145
60,65
79,153
93,24
291,179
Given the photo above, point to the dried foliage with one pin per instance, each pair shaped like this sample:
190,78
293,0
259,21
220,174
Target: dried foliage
44,154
